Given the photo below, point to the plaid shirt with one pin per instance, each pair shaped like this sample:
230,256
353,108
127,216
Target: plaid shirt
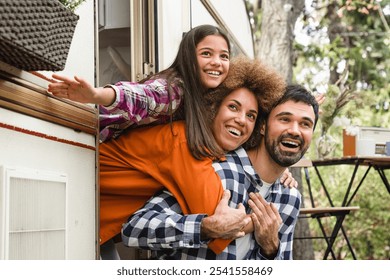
138,104
161,227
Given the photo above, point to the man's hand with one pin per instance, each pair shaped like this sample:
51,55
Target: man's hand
226,222
266,221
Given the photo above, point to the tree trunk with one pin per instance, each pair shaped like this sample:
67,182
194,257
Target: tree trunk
277,34
335,30
275,48
302,248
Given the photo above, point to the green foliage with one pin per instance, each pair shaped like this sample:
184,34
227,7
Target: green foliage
367,229
357,33
329,107
71,4
364,44
363,41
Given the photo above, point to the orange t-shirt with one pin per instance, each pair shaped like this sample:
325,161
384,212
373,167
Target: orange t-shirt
142,161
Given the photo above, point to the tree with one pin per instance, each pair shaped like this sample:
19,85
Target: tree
275,47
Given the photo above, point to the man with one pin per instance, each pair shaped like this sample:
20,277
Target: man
252,179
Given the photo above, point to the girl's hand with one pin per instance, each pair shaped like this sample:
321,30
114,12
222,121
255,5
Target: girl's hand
80,90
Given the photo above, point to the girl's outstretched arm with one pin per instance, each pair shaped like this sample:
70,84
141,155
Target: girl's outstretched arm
80,90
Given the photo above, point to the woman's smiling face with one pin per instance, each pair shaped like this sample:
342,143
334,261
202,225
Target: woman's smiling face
235,119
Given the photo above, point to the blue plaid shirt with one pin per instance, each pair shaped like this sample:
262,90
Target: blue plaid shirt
161,227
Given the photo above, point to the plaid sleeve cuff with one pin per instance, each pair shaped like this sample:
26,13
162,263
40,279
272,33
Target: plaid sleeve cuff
192,231
117,97
279,255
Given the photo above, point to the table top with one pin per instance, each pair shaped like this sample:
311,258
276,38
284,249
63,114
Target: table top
319,210
382,161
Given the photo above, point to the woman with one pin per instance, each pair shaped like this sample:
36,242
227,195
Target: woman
142,161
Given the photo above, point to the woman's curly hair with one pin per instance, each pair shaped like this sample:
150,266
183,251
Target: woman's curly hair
265,82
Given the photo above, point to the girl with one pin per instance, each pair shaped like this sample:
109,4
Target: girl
201,64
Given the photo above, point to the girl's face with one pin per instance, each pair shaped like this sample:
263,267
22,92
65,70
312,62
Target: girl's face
213,59
236,118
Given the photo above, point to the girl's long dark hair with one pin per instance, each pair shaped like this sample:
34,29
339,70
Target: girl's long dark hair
201,141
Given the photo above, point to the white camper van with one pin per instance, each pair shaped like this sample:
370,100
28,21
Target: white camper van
48,147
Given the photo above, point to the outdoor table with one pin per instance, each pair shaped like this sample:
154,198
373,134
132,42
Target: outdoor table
379,163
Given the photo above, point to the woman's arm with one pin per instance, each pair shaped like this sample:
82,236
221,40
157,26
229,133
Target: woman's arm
160,224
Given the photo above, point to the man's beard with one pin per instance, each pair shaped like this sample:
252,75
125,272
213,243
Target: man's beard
284,158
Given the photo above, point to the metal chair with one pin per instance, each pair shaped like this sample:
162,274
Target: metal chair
322,212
